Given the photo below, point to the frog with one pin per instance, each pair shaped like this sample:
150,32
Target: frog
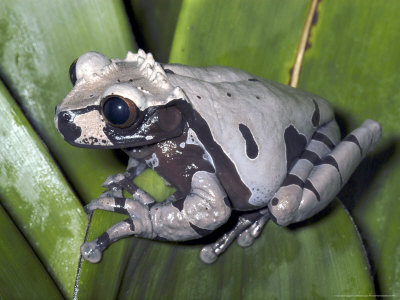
226,140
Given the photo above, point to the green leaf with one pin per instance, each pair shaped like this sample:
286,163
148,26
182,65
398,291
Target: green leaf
115,258
32,281
260,37
319,259
36,195
156,21
40,39
354,62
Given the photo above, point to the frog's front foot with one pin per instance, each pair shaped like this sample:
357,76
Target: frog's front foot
113,180
91,252
120,181
247,237
103,202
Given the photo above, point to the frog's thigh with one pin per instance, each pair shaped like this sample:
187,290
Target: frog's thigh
286,201
329,175
204,209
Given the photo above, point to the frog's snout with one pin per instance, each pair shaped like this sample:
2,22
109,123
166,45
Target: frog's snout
65,125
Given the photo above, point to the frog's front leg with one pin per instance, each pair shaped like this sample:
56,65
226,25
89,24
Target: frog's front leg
319,174
204,209
123,181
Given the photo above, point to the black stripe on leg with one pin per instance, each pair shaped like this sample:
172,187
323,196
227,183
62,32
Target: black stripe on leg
309,186
103,241
200,231
318,136
120,205
227,202
293,179
316,115
129,221
353,139
330,160
312,157
178,204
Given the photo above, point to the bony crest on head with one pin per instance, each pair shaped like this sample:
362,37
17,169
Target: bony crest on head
149,68
92,65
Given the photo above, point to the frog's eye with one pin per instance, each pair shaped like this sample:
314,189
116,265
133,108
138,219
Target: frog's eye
119,112
72,72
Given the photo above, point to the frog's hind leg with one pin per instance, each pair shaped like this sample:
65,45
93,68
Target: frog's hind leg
210,253
286,200
308,190
247,237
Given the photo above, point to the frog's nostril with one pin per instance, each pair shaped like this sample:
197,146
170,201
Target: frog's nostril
66,116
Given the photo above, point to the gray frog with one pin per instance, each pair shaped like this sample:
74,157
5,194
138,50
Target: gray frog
225,139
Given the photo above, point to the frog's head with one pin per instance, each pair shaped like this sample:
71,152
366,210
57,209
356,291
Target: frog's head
119,103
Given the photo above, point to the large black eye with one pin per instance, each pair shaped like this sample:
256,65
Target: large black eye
72,72
119,112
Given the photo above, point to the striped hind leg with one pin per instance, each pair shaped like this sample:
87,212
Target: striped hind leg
327,176
286,201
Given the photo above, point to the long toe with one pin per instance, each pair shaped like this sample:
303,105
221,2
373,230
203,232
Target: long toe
91,252
245,239
208,255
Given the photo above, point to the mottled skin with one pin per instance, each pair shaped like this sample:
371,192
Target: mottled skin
226,140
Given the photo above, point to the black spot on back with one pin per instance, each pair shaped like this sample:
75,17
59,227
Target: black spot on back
252,79
168,71
295,143
251,146
316,115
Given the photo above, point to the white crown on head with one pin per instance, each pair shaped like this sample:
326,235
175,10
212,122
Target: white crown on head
149,68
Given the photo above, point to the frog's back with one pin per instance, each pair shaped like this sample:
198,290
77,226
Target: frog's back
255,122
